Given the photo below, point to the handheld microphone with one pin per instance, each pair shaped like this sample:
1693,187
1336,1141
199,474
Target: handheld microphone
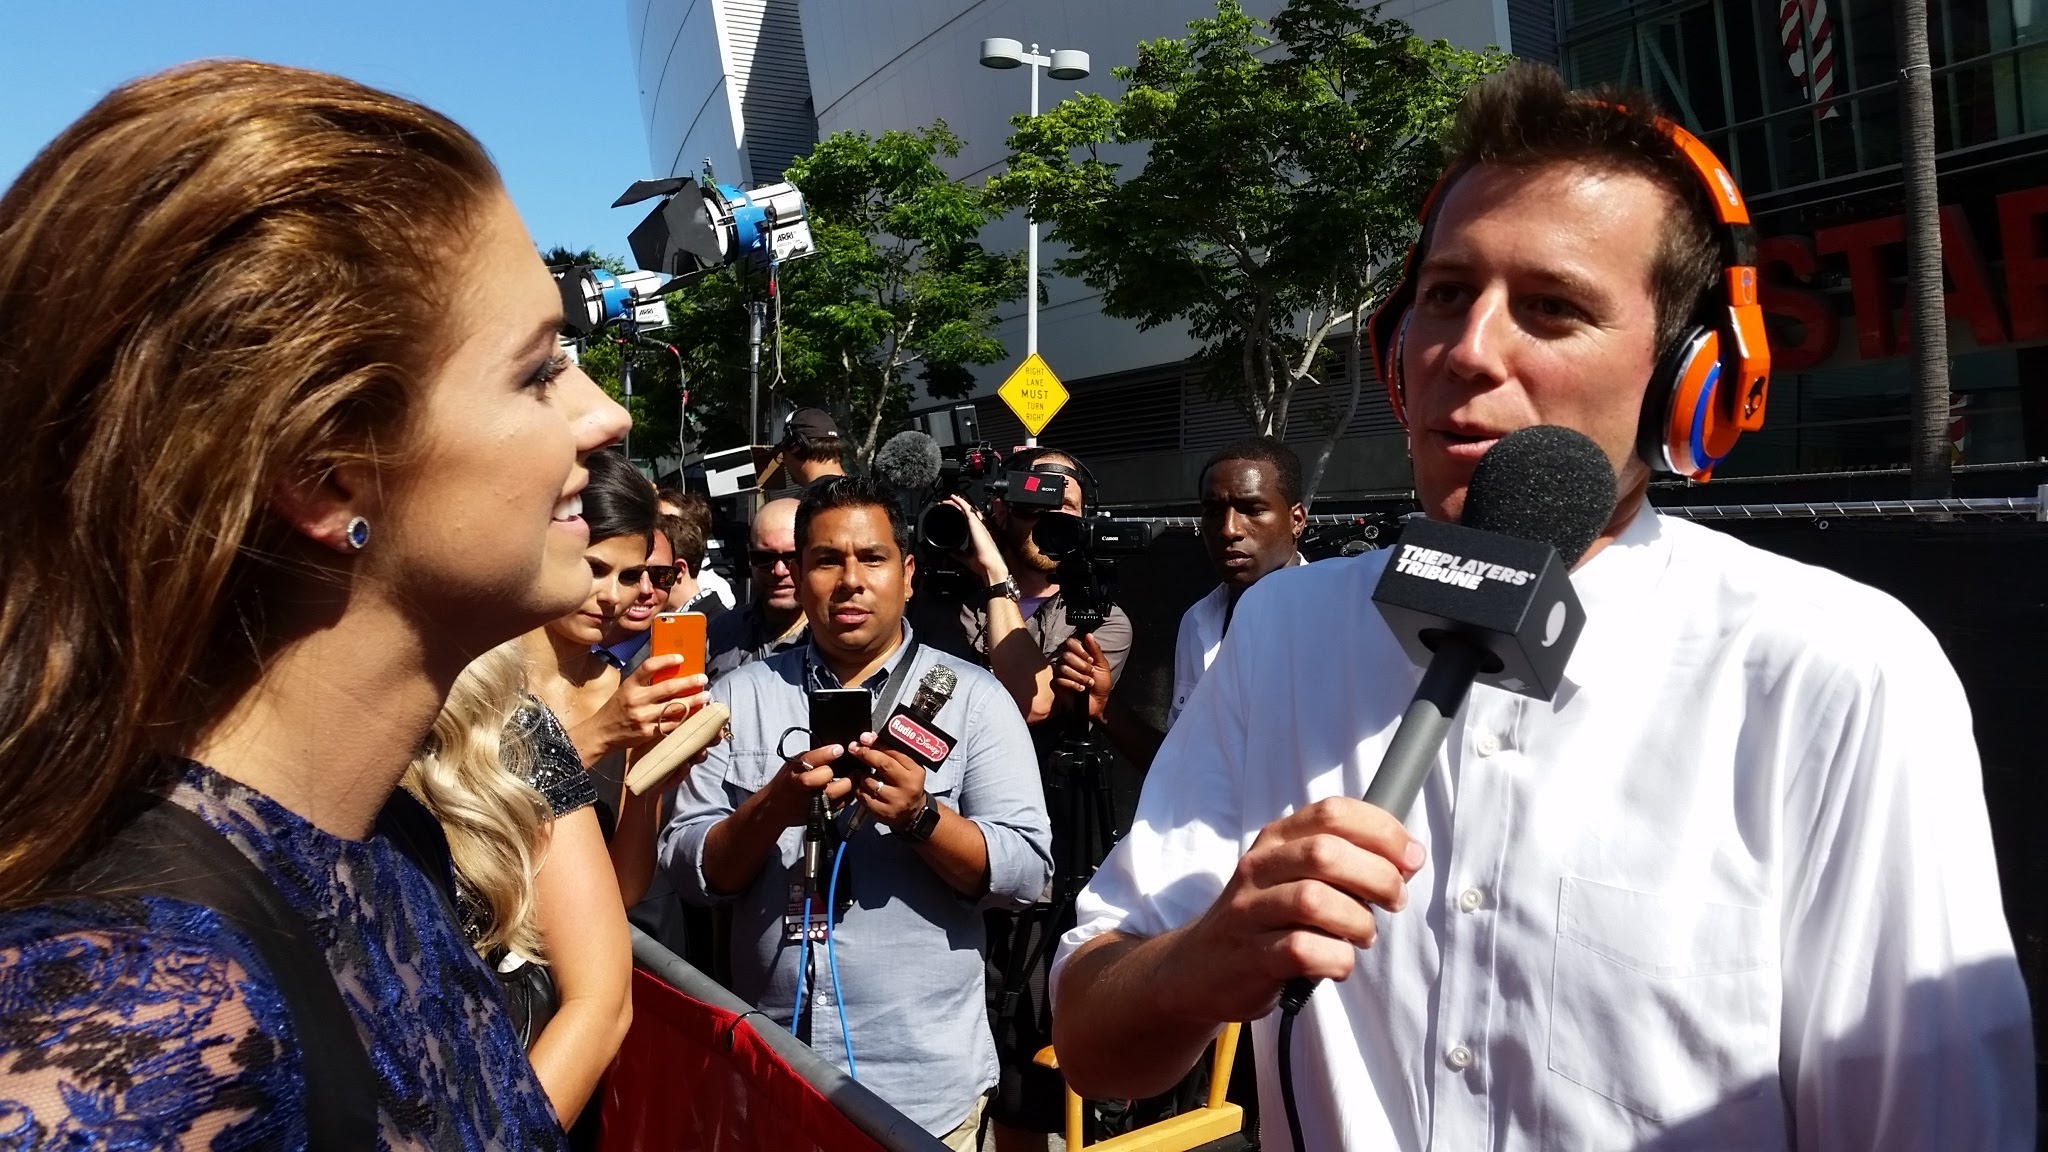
1488,600
910,730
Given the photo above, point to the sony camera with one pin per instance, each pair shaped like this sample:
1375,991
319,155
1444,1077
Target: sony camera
976,472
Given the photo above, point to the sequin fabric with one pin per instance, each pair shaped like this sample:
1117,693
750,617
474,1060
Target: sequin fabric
558,772
148,1024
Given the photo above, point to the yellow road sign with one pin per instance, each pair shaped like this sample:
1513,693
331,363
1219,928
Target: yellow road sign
1033,393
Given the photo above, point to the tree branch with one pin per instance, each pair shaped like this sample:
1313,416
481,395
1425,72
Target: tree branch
1354,369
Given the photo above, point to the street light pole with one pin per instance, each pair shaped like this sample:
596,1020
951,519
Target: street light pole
1031,273
1064,64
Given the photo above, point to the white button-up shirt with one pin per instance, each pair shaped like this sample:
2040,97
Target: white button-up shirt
1201,634
1732,890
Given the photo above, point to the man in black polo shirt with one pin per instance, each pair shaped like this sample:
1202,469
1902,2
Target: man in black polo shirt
772,619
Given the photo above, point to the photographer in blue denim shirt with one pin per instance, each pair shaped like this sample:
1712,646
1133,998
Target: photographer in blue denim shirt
925,852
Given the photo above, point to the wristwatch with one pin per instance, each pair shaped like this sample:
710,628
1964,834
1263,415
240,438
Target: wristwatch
1007,586
920,827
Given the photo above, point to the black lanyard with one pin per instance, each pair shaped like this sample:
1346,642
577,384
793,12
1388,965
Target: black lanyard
885,703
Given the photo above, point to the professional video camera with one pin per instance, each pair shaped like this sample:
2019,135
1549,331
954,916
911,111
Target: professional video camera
944,455
1087,550
977,472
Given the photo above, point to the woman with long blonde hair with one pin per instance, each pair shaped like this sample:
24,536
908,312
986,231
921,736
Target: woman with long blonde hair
531,871
289,334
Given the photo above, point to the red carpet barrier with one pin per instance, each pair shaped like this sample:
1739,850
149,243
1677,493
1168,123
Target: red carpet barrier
688,1078
698,1070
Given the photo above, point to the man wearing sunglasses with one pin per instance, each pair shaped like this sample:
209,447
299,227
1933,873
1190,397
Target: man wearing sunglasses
772,620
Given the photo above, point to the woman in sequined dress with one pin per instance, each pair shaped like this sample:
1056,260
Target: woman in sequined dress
531,871
289,441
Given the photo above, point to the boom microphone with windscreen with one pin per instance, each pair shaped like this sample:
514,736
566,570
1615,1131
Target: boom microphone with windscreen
1487,600
909,462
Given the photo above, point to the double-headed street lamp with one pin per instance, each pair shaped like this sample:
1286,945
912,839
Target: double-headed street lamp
1066,64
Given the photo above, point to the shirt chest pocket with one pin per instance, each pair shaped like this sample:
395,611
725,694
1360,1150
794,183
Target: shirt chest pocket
751,770
1666,1006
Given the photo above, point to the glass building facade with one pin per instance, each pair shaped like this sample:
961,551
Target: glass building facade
1800,99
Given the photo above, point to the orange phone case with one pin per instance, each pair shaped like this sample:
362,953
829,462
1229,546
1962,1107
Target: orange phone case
679,634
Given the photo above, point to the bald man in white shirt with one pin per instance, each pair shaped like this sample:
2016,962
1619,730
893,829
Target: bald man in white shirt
1732,889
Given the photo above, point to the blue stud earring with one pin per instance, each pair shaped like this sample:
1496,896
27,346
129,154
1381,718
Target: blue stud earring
358,533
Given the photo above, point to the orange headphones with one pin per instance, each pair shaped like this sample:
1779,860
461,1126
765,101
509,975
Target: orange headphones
1706,390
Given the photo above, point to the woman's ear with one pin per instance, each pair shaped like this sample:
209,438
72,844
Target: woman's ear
335,509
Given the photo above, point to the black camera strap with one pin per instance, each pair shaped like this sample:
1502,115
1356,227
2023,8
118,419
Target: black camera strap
885,700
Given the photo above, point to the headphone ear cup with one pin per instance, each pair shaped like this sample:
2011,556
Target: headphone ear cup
1397,388
1680,431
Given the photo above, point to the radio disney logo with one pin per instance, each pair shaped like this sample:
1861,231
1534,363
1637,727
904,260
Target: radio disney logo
1444,568
918,739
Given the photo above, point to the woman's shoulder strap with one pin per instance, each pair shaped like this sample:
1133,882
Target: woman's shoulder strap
169,851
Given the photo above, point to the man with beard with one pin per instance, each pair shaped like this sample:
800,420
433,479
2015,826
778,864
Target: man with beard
1019,630
1252,520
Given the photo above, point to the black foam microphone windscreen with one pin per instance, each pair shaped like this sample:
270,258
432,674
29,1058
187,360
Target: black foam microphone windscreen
909,462
1543,483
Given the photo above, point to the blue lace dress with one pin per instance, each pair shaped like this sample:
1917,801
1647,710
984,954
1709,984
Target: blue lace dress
148,1024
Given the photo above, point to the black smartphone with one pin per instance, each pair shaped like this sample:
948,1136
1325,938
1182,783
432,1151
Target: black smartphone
839,716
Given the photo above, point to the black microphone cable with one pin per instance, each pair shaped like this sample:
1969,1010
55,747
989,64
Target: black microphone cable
1293,998
1409,757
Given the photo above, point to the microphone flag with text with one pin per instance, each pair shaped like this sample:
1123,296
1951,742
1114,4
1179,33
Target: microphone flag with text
909,728
1488,600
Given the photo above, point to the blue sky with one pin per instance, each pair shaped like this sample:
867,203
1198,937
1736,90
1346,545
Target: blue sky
547,86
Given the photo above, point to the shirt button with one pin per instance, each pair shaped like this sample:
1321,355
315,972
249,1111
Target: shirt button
1459,1057
1489,745
1470,899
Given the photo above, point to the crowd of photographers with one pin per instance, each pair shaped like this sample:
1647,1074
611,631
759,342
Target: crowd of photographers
917,770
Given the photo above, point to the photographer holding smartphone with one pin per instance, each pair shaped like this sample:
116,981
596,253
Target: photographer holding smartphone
926,850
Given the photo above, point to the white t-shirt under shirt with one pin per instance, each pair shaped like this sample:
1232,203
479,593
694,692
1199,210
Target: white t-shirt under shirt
710,581
1732,889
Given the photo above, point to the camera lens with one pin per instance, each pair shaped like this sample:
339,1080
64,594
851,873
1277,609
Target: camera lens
1060,535
943,528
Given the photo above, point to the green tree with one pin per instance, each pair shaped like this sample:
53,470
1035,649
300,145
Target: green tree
900,281
1277,191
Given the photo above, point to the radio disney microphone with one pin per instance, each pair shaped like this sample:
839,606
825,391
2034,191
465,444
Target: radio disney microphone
910,730
1488,600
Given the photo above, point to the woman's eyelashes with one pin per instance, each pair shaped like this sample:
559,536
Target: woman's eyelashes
544,376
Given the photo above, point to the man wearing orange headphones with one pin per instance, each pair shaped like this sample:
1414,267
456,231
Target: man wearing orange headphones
1732,889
